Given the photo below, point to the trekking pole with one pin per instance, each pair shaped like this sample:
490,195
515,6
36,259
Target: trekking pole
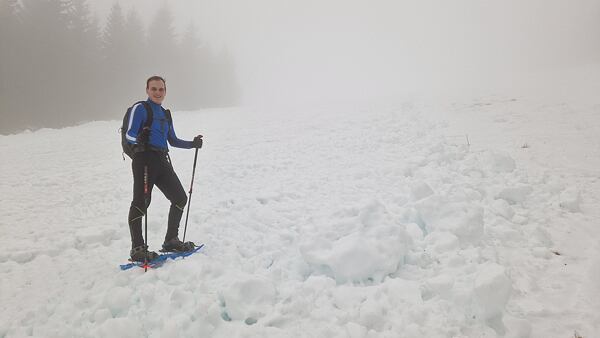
190,199
146,217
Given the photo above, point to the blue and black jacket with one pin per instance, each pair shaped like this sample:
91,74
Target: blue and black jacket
161,130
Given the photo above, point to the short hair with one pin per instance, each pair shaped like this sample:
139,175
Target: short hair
155,78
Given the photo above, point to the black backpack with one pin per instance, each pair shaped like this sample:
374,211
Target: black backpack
128,147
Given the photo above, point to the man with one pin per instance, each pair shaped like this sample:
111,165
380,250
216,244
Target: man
151,151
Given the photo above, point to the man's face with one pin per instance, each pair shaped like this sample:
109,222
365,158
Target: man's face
156,91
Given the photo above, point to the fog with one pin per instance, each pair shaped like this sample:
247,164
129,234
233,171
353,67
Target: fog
306,51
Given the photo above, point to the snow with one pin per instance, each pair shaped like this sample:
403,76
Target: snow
339,222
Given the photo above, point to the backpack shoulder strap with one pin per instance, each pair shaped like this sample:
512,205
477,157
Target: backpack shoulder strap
149,114
168,115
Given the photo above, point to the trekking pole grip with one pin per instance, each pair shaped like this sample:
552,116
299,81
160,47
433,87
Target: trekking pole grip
194,171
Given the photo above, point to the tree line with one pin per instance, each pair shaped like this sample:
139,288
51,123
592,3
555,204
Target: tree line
58,67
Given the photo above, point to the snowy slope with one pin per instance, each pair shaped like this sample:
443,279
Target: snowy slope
326,223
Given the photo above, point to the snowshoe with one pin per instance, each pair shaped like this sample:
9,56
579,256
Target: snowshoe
141,254
176,245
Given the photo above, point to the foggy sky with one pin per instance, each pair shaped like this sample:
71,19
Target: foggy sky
315,51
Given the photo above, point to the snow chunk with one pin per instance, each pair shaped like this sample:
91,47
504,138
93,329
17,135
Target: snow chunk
442,241
516,194
354,330
414,231
463,219
22,256
117,300
402,293
421,190
367,255
175,326
440,285
541,252
373,214
570,199
372,314
367,250
101,315
120,327
500,162
248,299
516,327
541,237
502,208
492,290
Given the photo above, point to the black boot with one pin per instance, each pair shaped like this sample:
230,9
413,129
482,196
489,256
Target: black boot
141,254
175,245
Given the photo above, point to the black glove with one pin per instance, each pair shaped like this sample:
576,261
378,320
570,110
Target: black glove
197,142
143,136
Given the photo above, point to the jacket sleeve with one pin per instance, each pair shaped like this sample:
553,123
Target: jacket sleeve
137,118
175,142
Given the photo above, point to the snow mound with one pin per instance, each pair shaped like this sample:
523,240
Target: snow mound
499,162
516,194
119,327
326,223
248,299
369,254
570,199
492,290
463,219
421,190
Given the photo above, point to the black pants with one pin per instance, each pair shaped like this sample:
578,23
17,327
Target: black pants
161,174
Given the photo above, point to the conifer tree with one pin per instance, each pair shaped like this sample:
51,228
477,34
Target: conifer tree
84,49
57,68
162,42
114,47
9,57
191,73
222,90
44,61
135,55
